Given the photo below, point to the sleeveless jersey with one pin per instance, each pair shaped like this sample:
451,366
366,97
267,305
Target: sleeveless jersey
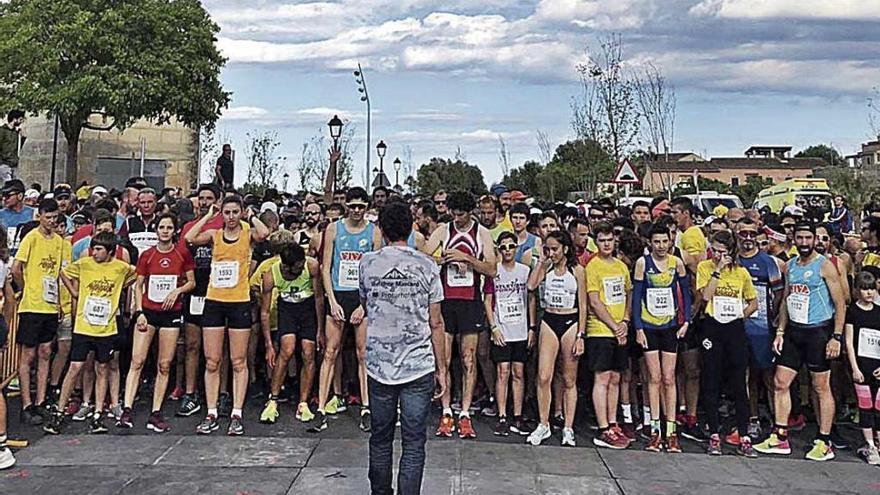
348,249
767,279
292,291
230,264
662,301
523,248
460,280
809,302
559,291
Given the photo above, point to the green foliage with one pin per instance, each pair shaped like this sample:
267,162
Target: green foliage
525,178
859,188
749,191
577,165
706,184
450,175
831,156
129,59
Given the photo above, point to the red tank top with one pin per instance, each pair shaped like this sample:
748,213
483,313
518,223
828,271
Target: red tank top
461,281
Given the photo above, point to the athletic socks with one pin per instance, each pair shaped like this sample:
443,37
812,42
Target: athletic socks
464,414
627,413
447,411
782,432
646,415
670,427
212,412
236,412
655,426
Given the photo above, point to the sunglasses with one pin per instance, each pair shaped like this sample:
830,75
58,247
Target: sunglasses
315,213
748,234
823,238
787,226
763,243
507,247
597,217
356,206
440,202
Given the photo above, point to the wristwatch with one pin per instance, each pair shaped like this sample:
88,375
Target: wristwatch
837,336
582,335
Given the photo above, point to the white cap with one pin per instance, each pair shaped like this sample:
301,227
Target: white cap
31,194
794,210
536,211
708,221
99,190
268,205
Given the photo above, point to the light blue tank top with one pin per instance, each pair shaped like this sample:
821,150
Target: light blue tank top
348,249
523,248
808,288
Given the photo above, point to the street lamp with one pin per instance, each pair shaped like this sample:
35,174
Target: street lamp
362,88
335,126
286,178
397,172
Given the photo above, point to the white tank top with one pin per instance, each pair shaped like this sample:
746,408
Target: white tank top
559,291
511,302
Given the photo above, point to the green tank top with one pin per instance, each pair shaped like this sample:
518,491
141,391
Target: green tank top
292,291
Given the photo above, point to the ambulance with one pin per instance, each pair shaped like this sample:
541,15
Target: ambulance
809,194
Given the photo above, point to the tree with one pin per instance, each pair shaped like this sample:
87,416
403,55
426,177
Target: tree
606,112
831,156
578,165
655,98
853,184
210,147
264,166
525,177
119,60
451,175
749,191
314,162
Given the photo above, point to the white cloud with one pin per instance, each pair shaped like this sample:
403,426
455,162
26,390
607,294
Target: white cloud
794,9
244,113
596,14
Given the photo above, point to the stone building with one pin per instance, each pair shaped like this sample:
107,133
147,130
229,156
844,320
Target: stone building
167,153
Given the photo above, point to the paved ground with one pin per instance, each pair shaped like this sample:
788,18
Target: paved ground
283,458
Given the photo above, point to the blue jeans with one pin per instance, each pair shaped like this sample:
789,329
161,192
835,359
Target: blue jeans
415,405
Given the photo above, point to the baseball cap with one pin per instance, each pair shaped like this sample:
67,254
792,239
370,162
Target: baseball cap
136,183
794,210
13,185
99,190
31,194
268,205
720,211
517,196
62,190
498,189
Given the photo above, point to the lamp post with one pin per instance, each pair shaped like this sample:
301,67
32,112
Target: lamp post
362,88
381,179
286,178
335,126
397,172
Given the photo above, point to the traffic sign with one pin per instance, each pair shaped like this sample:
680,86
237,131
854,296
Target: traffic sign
626,173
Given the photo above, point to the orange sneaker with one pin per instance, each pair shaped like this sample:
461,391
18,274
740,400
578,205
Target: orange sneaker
656,443
732,438
447,426
465,428
672,444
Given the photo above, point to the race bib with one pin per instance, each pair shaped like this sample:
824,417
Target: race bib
559,299
50,290
349,273
224,274
614,291
511,311
160,286
97,311
294,296
869,343
727,309
196,305
460,275
798,306
761,313
10,237
143,240
660,302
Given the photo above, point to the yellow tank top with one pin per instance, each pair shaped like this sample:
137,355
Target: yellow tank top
230,264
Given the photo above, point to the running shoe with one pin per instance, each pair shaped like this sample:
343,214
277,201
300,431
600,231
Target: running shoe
610,440
466,428
224,405
157,423
821,451
318,423
7,460
745,448
796,422
656,443
714,445
270,413
447,426
332,406
14,385
673,444
115,411
352,400
837,440
557,422
502,427
755,431
96,425
869,454
366,420
31,416
236,426
693,432
85,412
773,445
189,405
490,411
629,431
176,394
208,425
72,407
619,432
541,433
304,413
568,438
53,426
126,419
732,438
645,433
519,426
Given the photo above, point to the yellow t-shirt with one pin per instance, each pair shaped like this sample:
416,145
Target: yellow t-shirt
611,280
871,259
734,286
256,282
693,242
100,286
42,265
66,298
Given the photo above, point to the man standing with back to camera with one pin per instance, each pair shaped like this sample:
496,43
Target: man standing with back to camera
401,291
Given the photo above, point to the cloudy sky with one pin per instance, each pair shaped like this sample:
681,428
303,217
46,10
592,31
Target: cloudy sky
459,73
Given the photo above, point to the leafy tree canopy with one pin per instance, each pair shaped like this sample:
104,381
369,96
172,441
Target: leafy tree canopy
451,175
831,156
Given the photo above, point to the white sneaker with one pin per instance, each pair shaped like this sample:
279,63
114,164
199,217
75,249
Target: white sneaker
7,460
541,433
568,437
84,413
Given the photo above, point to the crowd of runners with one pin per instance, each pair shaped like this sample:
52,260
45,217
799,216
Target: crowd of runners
649,320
